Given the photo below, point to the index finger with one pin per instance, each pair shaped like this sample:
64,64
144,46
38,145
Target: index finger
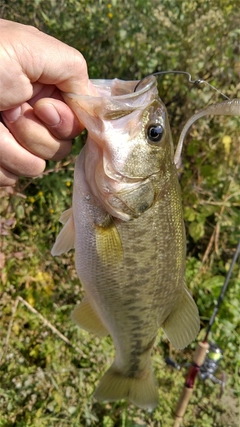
29,56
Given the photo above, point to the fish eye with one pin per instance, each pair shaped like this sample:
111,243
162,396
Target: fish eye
155,133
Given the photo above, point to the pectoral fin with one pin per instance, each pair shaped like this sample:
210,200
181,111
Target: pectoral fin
108,244
66,238
182,325
86,317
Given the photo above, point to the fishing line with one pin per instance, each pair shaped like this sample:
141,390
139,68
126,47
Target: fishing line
196,82
201,351
224,288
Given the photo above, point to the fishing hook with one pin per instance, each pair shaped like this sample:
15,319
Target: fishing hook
197,81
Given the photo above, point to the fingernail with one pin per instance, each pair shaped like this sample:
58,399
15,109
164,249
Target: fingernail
48,114
12,115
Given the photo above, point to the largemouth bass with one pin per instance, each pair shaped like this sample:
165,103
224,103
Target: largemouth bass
126,225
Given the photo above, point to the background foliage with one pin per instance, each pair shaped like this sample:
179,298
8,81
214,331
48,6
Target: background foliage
46,381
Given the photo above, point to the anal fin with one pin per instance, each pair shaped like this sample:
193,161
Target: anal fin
86,317
182,325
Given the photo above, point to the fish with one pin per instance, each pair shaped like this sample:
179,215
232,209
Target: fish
126,226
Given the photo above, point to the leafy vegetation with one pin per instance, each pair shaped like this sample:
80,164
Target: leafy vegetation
49,381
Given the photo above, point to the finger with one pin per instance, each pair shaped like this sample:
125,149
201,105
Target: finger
48,104
38,60
15,159
58,117
7,178
33,135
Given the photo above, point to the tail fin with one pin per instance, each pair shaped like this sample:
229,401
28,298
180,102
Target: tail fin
142,392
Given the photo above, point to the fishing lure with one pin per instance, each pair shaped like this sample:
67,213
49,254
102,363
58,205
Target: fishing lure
230,107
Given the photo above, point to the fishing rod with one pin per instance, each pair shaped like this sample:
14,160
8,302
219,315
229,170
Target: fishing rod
200,353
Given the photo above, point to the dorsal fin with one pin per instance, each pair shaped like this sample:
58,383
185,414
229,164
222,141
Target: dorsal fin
66,238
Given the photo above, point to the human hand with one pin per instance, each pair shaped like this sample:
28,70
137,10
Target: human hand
35,122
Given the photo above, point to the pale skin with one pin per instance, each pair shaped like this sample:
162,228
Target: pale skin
35,122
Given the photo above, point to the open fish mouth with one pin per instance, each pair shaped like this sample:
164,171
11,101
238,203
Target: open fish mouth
120,89
115,98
